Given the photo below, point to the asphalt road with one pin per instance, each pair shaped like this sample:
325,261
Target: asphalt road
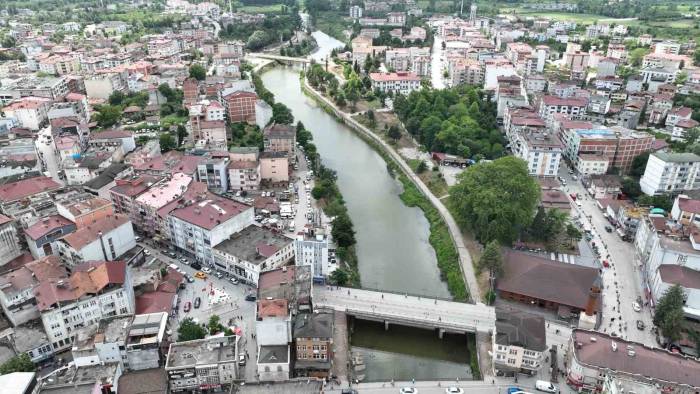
622,282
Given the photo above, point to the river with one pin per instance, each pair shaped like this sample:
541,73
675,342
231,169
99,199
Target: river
392,239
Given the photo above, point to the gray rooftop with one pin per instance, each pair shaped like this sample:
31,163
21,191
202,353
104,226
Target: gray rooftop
72,380
314,325
147,328
107,331
202,352
253,244
677,157
518,328
273,354
147,381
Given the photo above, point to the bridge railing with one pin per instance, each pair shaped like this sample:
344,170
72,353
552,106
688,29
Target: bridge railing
410,320
403,293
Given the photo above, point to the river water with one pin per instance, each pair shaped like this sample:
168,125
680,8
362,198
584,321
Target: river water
392,239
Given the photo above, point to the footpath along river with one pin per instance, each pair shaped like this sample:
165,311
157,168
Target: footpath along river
392,239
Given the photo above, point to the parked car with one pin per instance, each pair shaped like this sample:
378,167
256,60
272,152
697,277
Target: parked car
200,275
250,297
513,389
241,359
187,307
147,252
636,307
183,260
196,265
234,281
548,387
197,302
189,279
454,390
608,229
219,275
640,325
408,390
206,270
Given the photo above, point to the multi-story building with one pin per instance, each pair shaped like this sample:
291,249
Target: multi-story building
620,145
94,290
105,239
313,339
540,150
414,59
30,112
240,106
9,242
200,224
519,342
465,71
244,175
274,167
355,12
207,123
16,288
53,88
113,139
591,164
550,105
146,205
251,251
85,212
280,138
593,357
667,47
126,190
670,173
102,85
202,364
42,236
311,248
214,172
399,82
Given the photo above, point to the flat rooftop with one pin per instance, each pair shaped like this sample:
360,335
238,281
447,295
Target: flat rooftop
254,244
163,192
202,352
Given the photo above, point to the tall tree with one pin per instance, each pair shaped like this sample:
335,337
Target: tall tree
19,363
496,200
491,259
198,72
669,313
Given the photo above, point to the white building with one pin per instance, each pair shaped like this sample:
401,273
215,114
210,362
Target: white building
251,251
519,342
399,82
669,173
592,164
540,150
273,363
95,290
311,248
244,175
550,105
9,242
198,225
106,239
355,12
263,114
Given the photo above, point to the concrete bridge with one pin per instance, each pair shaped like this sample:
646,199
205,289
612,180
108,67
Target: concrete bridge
407,310
284,59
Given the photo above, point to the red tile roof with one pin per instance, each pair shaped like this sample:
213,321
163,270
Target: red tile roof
209,212
570,101
87,278
399,76
46,225
14,191
154,302
86,235
4,219
689,205
273,308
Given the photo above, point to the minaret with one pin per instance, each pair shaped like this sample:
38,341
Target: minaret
472,13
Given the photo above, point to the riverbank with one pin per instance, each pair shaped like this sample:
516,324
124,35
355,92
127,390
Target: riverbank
453,258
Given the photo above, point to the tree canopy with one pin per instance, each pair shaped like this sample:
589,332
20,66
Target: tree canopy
19,363
491,259
669,313
496,200
198,72
460,121
189,330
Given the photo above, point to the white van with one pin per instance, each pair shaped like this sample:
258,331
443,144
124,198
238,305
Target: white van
548,387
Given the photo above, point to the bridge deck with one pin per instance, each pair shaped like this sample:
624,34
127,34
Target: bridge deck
406,309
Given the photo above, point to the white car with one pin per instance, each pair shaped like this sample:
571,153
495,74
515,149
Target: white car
454,390
408,390
548,387
147,252
636,307
206,270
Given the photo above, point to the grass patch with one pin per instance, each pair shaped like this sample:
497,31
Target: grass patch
334,24
473,356
261,9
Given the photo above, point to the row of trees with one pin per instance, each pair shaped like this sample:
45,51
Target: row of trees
460,120
273,29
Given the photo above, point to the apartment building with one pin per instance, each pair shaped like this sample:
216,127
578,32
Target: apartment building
540,150
101,86
30,112
214,172
280,138
202,364
549,105
414,59
670,173
207,123
240,106
53,88
41,237
126,190
274,167
465,71
312,248
594,357
9,241
247,253
17,288
105,239
313,339
147,204
94,290
519,342
197,225
85,212
398,82
244,175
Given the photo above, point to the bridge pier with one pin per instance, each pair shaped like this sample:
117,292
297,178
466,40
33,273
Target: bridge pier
386,325
441,332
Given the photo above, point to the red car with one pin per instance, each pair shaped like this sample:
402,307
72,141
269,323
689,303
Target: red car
573,196
188,306
606,264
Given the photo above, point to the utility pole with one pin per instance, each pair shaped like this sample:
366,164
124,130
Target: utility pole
461,7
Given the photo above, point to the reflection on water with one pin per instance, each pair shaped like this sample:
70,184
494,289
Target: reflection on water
405,353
